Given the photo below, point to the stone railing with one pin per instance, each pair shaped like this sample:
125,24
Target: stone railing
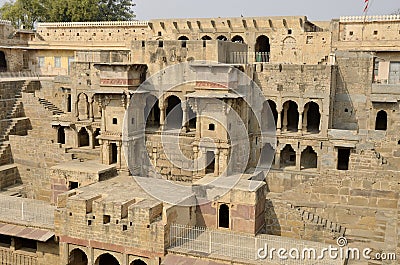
5,22
134,23
370,18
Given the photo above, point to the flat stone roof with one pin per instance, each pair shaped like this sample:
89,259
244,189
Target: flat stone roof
84,167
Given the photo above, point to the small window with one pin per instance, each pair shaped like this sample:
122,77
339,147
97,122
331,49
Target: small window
289,31
57,62
159,34
351,33
143,44
41,61
115,121
94,33
398,142
133,120
211,127
89,222
73,185
106,219
160,44
124,227
375,32
77,34
204,43
343,158
346,110
109,34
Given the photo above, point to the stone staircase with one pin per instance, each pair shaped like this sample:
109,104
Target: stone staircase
50,106
314,219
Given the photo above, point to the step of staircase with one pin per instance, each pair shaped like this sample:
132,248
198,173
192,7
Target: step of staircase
51,107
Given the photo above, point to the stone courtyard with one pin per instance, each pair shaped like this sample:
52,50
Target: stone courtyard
99,121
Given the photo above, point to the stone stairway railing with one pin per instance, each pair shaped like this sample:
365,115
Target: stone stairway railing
317,220
50,106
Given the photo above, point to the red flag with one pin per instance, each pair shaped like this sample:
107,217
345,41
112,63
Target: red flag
366,5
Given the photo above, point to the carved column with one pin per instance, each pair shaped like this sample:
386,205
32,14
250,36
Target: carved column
216,157
279,122
285,118
298,159
119,155
278,159
91,113
184,116
162,107
300,123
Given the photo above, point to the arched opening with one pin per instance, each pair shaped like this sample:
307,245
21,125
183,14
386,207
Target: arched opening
312,116
138,262
206,37
272,106
238,39
77,257
309,158
3,62
69,103
83,137
152,112
184,39
290,117
262,49
96,141
223,216
174,113
210,167
222,38
381,121
61,135
113,153
106,259
288,157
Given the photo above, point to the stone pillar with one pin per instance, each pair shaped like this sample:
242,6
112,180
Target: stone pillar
298,159
77,109
119,155
101,151
279,122
91,113
278,159
285,118
103,119
216,157
125,259
91,139
184,116
64,251
300,123
87,109
305,119
198,127
90,257
318,162
162,114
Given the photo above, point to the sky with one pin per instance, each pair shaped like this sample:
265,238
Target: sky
313,9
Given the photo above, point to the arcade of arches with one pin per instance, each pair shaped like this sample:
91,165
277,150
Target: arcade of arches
78,257
290,118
